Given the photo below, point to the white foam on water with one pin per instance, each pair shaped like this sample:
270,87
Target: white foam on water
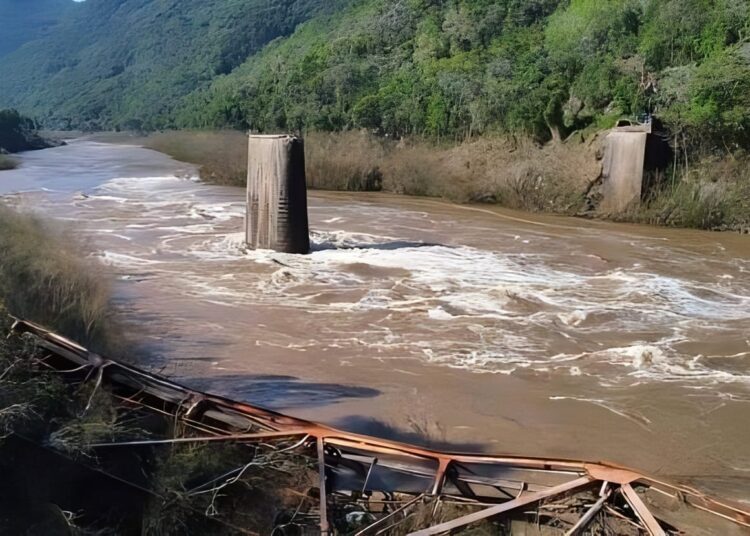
573,318
506,294
217,211
124,261
438,313
458,306
112,198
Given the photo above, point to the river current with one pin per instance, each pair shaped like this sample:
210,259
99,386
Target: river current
487,329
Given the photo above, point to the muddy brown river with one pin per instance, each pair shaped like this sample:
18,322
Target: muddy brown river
491,330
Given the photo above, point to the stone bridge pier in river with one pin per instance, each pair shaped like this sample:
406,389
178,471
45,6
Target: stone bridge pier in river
277,194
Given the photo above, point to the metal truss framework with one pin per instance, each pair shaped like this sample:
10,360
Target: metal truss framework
351,465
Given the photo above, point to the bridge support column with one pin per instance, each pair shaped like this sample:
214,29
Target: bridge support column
623,167
277,195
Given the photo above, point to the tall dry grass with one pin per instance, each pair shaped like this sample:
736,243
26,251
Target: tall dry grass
221,156
513,172
44,277
6,162
334,161
349,161
713,193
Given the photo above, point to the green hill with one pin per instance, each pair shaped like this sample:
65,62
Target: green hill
444,69
458,68
129,63
19,24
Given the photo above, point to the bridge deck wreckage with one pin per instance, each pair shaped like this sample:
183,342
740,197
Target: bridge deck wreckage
383,483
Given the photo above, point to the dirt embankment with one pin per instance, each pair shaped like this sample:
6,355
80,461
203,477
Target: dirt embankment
710,192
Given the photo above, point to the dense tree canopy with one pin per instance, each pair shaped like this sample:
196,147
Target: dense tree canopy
20,23
435,68
455,68
128,63
18,133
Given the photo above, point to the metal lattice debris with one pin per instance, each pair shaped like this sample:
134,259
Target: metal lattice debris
370,486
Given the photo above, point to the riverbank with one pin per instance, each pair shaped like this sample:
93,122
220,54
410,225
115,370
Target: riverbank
711,192
523,332
17,134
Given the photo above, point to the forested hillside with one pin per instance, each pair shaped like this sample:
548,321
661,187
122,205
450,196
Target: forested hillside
22,21
456,68
444,69
129,63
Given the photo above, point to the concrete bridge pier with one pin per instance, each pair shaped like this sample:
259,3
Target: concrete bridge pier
623,167
277,194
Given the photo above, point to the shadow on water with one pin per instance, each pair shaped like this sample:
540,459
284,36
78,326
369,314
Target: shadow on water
417,436
278,392
383,246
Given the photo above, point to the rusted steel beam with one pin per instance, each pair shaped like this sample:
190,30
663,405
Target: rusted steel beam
204,439
504,507
741,518
324,526
643,513
437,485
227,419
698,500
589,515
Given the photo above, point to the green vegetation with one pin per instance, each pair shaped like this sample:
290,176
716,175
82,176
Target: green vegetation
19,24
444,76
128,63
44,277
6,162
18,133
440,69
460,68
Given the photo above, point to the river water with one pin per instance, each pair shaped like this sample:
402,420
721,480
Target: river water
488,329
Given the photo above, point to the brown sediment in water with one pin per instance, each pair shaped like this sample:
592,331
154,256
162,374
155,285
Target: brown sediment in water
534,335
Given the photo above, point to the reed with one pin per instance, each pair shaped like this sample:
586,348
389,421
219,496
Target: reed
45,277
711,193
6,162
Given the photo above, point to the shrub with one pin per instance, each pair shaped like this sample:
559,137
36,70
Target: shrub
6,162
44,278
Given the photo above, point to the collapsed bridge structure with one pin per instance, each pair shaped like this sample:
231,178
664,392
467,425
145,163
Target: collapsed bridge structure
367,486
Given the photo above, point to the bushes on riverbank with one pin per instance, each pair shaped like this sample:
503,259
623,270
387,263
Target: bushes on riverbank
222,156
44,277
19,133
710,193
6,162
714,193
